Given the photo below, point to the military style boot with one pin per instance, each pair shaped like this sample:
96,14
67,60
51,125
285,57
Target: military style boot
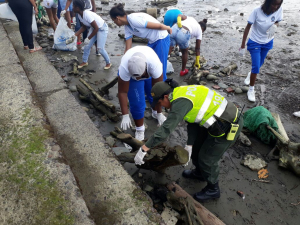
211,191
192,174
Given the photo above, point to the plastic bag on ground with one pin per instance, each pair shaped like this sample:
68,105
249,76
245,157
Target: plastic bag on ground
63,33
170,68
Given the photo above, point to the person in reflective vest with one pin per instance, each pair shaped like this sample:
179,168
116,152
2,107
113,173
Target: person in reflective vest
213,125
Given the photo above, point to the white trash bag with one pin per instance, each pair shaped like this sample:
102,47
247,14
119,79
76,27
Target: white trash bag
62,34
7,13
170,68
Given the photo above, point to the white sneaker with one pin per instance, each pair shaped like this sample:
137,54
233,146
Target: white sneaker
140,135
251,96
247,80
296,114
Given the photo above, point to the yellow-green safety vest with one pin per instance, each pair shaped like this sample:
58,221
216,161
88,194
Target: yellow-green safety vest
206,104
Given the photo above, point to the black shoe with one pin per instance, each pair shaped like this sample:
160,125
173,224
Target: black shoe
211,191
192,174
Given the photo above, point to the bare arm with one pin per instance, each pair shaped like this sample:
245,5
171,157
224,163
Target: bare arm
154,81
33,3
128,44
197,47
81,30
67,4
96,28
123,87
159,26
93,5
246,32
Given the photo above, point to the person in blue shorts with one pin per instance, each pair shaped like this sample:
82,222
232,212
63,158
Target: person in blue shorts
139,70
144,26
264,22
171,17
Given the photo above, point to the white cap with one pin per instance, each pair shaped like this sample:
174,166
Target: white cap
137,64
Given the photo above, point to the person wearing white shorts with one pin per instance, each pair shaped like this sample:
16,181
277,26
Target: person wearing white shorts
51,9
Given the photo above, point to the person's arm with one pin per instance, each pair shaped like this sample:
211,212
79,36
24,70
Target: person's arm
197,47
95,30
159,26
183,17
246,32
123,87
128,44
180,107
81,30
93,5
67,4
34,6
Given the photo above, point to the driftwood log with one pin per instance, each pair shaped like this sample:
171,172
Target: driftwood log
158,158
195,78
86,95
227,70
289,152
103,101
206,216
105,89
164,3
135,38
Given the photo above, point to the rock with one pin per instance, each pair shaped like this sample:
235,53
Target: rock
241,14
229,90
244,139
148,188
245,89
209,12
178,53
216,87
170,216
55,148
189,65
44,45
105,2
69,57
140,175
73,88
191,52
222,85
253,162
238,91
269,57
172,59
172,54
104,118
148,115
110,141
202,83
85,109
226,10
211,77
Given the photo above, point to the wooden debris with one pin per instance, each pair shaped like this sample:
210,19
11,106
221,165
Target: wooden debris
157,159
135,39
101,99
105,89
289,152
227,70
86,95
206,216
164,3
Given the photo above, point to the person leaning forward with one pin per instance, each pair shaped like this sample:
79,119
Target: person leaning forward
214,124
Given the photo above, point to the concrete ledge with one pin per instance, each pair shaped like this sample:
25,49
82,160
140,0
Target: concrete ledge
109,192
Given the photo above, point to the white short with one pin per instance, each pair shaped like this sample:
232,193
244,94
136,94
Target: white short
50,4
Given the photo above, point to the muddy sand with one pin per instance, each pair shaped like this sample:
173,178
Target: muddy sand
277,89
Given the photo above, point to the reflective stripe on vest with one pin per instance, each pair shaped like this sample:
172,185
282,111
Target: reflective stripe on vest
206,104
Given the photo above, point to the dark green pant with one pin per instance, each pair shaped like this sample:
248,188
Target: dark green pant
208,150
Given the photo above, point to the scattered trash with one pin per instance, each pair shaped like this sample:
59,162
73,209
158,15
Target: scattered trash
253,162
244,139
170,68
297,114
216,87
263,181
263,174
241,194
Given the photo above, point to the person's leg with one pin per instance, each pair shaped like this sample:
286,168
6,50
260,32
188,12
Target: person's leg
51,18
101,40
87,50
137,106
209,156
183,40
161,48
264,51
185,55
54,14
148,87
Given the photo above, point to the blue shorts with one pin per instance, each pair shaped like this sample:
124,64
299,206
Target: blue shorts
180,36
161,48
258,54
171,17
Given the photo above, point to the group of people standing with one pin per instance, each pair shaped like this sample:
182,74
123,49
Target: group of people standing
214,123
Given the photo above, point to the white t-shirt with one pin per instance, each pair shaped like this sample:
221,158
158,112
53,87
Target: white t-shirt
89,17
137,26
154,66
261,23
193,26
